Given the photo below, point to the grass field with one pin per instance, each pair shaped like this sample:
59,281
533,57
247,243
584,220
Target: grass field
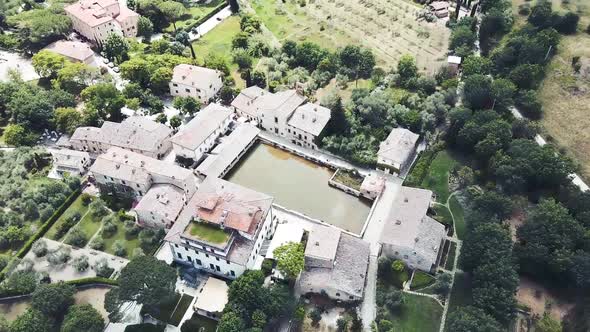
443,215
130,243
421,280
451,257
218,42
417,314
461,292
76,206
208,233
459,216
437,178
564,94
89,225
388,27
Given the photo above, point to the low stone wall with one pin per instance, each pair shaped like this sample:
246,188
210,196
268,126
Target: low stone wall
297,153
343,187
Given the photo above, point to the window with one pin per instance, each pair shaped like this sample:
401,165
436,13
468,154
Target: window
189,258
217,259
338,294
199,261
212,266
179,255
174,84
227,262
207,255
233,274
176,245
187,90
218,268
350,297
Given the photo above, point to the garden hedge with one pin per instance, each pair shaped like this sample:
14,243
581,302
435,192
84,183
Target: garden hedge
93,280
202,20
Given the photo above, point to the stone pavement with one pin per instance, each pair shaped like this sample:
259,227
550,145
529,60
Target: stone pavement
372,235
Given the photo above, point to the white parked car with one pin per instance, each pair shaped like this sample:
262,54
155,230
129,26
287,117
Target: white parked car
111,65
116,69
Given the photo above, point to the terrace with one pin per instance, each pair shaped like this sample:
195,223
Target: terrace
209,234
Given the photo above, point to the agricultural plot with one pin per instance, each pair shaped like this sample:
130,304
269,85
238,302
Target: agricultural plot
390,28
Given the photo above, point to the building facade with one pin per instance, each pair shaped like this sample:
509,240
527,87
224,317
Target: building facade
222,228
73,51
197,82
397,152
199,135
97,19
136,134
285,113
409,234
70,161
136,173
160,206
336,265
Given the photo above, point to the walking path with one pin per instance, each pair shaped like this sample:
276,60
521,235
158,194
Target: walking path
322,157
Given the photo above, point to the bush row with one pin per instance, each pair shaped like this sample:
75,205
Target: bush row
93,280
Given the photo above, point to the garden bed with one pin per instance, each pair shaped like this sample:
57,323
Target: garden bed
421,280
349,179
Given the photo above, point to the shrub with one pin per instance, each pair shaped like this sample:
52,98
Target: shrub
97,243
103,269
40,248
108,229
81,263
60,256
315,315
266,266
76,238
86,199
119,248
65,226
398,265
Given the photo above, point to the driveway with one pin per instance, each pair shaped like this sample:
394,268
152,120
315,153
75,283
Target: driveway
210,23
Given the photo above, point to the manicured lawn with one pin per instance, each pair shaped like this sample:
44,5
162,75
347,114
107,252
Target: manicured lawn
461,292
421,280
181,308
443,215
89,225
437,178
76,206
451,257
218,40
130,243
211,234
459,217
418,314
172,311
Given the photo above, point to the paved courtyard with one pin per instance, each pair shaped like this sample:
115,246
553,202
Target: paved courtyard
67,271
10,60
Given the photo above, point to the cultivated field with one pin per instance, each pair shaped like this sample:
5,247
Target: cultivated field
388,27
566,94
